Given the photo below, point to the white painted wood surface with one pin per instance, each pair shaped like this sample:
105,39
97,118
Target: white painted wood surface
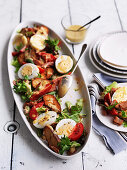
26,152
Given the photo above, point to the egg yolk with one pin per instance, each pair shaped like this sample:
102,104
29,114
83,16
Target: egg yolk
27,70
44,119
65,129
121,94
65,64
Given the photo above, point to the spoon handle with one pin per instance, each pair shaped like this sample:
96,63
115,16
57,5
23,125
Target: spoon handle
82,52
89,22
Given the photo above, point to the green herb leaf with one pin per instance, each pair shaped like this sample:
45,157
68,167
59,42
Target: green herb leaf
125,124
39,75
26,77
41,109
28,60
124,114
21,88
111,106
19,47
68,105
29,33
16,64
65,144
52,45
108,88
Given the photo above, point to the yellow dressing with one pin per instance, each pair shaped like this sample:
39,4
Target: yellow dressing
75,36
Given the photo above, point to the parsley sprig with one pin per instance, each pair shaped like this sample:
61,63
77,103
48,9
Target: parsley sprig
52,45
65,144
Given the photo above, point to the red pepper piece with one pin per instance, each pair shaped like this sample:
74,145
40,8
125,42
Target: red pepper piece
41,93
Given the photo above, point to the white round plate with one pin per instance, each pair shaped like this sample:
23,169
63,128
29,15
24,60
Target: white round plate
113,50
101,63
107,120
102,69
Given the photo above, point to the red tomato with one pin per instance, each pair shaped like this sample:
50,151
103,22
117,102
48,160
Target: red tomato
41,93
113,112
41,70
76,132
107,98
33,115
15,53
33,112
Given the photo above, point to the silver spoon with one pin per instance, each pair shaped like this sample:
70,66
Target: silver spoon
66,81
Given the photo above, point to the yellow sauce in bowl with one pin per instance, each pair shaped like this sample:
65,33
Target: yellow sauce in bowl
75,36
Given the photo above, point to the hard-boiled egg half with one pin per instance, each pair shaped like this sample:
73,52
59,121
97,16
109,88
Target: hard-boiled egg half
44,119
37,41
19,41
30,70
64,64
64,127
120,94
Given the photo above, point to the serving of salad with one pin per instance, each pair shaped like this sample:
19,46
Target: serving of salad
114,103
38,69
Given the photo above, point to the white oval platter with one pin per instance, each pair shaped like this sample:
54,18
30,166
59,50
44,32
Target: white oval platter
72,95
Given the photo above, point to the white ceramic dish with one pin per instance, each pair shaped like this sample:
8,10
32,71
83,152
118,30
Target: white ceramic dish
112,50
102,69
103,64
108,120
71,96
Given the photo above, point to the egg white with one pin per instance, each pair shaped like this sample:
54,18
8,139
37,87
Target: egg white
120,94
37,41
19,39
62,123
45,119
63,58
34,74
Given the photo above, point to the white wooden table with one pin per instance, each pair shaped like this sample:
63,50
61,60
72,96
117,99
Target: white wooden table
21,151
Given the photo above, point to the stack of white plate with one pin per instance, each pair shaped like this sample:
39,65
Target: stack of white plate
109,54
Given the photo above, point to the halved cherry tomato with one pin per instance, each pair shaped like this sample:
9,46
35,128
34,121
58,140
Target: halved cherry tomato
33,112
76,132
41,93
41,70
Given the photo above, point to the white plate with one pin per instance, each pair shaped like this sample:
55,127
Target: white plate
113,50
71,96
102,69
107,120
101,63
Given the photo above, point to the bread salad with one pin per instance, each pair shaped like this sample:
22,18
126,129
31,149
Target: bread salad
114,102
38,69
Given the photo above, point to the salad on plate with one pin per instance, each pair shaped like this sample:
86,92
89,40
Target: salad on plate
38,70
114,103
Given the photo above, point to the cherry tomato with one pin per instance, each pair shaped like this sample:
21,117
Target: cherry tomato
41,70
76,132
41,93
33,112
33,115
